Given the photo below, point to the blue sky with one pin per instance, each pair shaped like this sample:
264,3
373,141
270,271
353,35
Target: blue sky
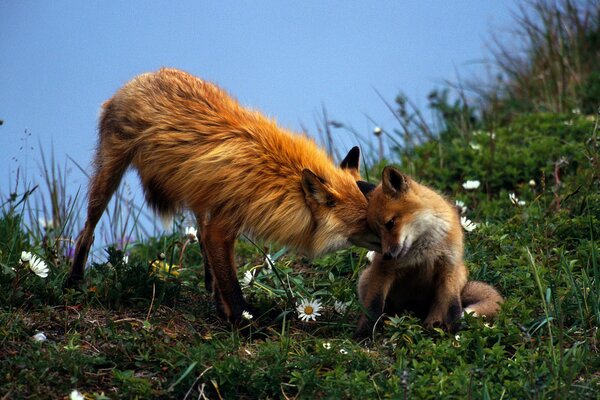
61,59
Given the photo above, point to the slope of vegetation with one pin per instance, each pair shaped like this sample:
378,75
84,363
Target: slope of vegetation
145,327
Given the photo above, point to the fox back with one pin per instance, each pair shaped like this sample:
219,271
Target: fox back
196,147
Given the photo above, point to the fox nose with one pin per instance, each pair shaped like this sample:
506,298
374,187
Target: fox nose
392,252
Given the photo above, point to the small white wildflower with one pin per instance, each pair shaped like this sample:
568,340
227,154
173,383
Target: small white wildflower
248,278
377,131
40,337
125,259
343,351
371,256
340,307
461,205
38,266
515,200
45,223
269,260
469,310
475,146
76,395
191,233
457,337
308,309
25,257
247,315
327,345
467,224
470,185
576,111
532,183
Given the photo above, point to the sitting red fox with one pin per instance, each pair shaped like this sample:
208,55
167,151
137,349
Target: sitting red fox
421,269
195,147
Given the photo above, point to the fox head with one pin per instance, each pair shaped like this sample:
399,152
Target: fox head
409,217
339,207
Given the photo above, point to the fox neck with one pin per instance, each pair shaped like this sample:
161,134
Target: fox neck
425,237
329,236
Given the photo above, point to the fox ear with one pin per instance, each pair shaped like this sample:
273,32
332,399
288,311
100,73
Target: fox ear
366,187
351,162
315,191
394,182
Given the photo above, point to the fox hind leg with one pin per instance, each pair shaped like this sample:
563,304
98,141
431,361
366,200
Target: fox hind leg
110,167
208,279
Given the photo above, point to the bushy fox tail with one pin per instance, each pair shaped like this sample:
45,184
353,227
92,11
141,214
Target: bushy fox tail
481,299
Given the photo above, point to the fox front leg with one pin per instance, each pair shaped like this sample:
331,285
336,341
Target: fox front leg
373,288
218,246
446,307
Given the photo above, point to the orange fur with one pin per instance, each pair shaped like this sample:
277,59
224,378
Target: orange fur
195,147
421,269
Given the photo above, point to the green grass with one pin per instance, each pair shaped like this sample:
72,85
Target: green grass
135,332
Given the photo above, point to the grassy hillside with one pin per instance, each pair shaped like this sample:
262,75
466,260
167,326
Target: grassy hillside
144,327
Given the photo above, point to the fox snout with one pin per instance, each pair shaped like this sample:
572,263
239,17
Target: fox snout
398,249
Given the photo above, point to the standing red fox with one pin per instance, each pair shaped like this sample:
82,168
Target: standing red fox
421,269
195,147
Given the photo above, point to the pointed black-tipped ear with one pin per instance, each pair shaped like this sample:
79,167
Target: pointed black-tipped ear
352,162
366,187
315,190
394,183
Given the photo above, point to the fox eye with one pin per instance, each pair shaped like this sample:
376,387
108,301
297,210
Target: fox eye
390,224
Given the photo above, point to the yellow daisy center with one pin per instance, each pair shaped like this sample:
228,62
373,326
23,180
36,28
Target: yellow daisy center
308,310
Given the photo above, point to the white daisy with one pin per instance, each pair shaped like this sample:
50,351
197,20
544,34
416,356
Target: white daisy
308,309
470,185
515,200
40,337
270,262
467,224
38,266
248,278
327,345
343,351
247,315
191,233
340,307
25,257
461,205
371,256
76,395
45,223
